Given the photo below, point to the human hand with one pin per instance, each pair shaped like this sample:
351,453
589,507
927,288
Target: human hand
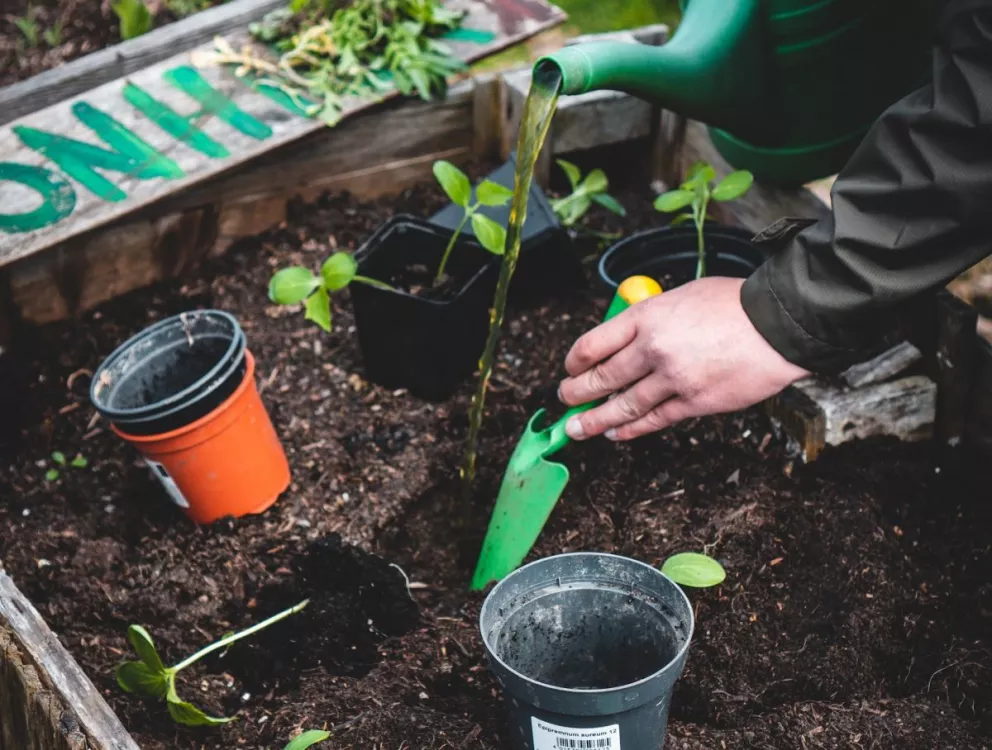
685,353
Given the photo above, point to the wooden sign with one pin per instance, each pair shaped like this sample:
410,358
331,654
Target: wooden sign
98,156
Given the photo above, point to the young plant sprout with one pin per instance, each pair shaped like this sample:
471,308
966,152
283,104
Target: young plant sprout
297,284
59,459
696,193
150,678
134,17
694,570
585,192
456,185
307,739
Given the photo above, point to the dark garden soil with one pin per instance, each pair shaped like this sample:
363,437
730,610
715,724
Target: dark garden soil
857,612
77,27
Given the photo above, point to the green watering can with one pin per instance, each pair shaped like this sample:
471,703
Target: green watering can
788,87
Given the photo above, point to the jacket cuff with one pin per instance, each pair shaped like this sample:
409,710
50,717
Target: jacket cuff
780,328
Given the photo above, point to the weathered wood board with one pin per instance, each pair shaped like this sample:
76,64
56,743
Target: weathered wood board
46,701
120,159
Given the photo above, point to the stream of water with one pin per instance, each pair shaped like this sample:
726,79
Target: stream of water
539,109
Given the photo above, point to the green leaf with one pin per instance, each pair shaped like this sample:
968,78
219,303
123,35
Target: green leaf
491,235
338,271
680,219
134,17
576,209
595,182
610,203
307,739
51,475
318,309
694,570
493,194
189,715
138,678
454,182
59,458
733,186
144,647
673,200
292,285
571,172
698,172
79,462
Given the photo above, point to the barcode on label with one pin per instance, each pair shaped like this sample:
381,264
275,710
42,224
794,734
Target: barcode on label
567,743
549,736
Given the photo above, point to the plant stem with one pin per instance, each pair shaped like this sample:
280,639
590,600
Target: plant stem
700,242
373,282
451,245
238,636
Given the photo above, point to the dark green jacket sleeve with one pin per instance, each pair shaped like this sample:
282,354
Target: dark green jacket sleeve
911,210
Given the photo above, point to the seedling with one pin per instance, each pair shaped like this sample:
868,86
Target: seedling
585,191
307,739
183,8
456,184
134,17
59,459
696,193
694,570
28,26
150,678
53,35
293,285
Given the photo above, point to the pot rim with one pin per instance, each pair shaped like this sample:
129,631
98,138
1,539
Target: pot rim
676,660
375,241
238,340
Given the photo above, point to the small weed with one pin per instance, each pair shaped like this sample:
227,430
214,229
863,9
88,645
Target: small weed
585,192
183,8
150,678
293,285
456,185
53,35
694,570
134,16
28,26
307,739
696,193
59,460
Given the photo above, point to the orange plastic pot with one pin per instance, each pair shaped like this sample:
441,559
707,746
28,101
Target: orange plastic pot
227,463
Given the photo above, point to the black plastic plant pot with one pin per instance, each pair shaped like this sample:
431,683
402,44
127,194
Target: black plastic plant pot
587,648
548,263
172,373
428,345
669,255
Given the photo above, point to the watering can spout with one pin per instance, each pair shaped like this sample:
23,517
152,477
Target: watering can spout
711,70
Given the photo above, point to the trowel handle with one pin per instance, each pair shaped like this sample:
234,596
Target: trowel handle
632,290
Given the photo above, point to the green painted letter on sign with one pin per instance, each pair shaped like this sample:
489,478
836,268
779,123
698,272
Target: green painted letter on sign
80,160
57,198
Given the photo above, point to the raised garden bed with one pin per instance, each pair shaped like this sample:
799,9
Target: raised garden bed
855,613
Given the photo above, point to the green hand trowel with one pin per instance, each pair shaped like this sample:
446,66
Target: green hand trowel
533,483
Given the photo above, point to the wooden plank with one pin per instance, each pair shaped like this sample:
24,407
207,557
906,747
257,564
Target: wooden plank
167,239
119,60
886,365
57,672
802,421
260,126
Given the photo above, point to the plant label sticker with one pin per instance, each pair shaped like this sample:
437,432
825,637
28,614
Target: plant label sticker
162,475
552,737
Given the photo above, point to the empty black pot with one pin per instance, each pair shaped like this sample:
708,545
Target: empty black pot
428,346
669,255
548,262
587,648
172,373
